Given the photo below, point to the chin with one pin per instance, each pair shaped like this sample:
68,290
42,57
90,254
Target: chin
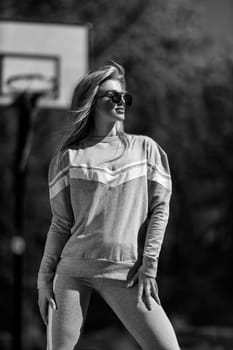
120,116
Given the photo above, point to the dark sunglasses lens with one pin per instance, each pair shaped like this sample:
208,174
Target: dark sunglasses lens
128,99
116,98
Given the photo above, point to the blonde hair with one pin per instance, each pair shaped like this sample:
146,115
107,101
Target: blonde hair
83,102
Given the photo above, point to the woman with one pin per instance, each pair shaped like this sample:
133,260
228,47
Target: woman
109,195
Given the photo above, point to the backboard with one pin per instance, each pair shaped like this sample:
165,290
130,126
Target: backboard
59,52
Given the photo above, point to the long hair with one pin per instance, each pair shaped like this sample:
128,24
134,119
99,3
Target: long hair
83,103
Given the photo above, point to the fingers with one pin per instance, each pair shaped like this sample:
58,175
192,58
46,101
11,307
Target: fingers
46,299
147,292
44,312
44,309
52,303
140,292
147,289
154,294
133,280
51,299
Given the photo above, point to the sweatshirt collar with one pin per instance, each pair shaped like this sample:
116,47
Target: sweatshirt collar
107,138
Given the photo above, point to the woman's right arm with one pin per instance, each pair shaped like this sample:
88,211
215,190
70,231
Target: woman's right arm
59,231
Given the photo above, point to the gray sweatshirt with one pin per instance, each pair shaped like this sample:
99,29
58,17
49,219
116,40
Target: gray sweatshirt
110,208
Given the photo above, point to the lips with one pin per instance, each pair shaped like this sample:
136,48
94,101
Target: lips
120,110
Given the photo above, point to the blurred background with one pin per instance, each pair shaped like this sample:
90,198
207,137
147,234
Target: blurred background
178,57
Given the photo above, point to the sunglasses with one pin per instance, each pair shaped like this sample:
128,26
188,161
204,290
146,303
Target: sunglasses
116,97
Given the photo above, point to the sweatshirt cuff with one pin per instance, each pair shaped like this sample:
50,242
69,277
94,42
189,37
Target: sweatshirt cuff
149,267
45,280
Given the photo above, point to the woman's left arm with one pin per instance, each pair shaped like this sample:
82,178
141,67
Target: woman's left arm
159,192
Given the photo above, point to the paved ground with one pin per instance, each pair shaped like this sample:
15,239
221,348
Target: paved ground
113,338
202,338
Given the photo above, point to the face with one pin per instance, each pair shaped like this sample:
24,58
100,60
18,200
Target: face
107,109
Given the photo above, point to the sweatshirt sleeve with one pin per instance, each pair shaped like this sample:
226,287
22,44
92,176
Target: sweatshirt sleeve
62,219
159,193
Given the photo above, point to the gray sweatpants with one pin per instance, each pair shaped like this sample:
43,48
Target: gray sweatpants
151,329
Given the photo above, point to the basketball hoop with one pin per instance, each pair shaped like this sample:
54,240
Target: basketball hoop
35,74
37,84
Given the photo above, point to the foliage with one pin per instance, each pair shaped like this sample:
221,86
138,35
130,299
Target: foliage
178,59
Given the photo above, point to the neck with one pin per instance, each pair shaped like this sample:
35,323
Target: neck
103,132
